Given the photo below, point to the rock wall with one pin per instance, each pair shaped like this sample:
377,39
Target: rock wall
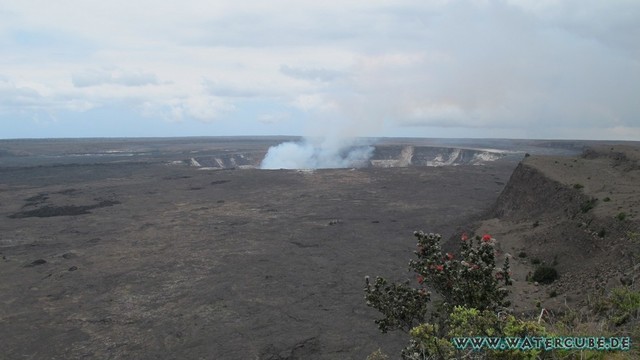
532,195
384,156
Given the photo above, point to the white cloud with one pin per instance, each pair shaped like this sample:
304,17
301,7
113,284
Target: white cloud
203,108
313,102
274,118
113,76
228,90
13,96
366,65
25,100
313,74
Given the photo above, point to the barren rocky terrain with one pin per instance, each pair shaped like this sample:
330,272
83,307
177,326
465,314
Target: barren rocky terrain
146,256
578,214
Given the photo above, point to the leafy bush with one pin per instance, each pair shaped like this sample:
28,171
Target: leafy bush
578,186
602,232
545,274
403,307
471,282
621,216
588,205
623,305
427,343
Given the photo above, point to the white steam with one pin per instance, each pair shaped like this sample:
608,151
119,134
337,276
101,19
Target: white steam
318,154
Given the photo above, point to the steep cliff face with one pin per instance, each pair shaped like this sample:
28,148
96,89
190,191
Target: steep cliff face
402,156
530,194
384,156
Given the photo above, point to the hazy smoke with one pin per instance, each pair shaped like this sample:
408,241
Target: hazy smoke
318,154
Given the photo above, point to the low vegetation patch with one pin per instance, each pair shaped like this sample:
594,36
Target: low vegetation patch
588,205
621,306
469,284
473,292
545,274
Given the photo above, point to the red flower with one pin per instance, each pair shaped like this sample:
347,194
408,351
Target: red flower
449,256
486,238
420,279
475,267
439,267
464,237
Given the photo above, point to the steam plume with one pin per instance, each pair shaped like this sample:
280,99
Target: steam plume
318,154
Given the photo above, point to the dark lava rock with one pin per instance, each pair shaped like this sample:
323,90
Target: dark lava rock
69,255
37,198
67,210
626,280
218,182
37,262
73,268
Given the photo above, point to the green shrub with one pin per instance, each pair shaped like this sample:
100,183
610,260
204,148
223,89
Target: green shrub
588,205
621,216
620,306
522,254
403,306
535,261
607,199
429,341
578,186
625,305
471,282
545,274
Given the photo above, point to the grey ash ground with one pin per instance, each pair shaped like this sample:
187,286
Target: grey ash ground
144,256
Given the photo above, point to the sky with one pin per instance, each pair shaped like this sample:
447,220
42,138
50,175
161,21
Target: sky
539,69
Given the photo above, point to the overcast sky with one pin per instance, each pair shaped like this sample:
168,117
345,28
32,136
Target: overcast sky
438,68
